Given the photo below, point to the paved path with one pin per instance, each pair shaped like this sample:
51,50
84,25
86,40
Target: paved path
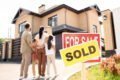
10,71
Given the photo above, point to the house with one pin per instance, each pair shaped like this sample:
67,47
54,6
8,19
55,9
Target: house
62,18
57,16
108,32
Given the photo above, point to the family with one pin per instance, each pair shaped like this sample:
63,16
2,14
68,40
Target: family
40,50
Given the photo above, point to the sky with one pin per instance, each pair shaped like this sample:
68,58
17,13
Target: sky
8,9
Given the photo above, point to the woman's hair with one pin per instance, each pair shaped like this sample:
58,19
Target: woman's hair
49,42
41,32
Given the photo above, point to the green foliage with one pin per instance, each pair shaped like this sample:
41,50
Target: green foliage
1,40
96,73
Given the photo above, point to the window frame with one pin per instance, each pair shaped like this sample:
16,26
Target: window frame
51,19
21,24
20,32
94,28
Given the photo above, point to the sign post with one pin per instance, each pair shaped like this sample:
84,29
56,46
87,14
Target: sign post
69,54
71,39
83,72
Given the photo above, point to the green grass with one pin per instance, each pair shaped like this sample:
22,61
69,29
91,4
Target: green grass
96,73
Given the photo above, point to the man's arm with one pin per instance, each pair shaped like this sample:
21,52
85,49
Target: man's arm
29,39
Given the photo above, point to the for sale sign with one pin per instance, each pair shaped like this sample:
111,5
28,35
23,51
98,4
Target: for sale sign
80,53
71,39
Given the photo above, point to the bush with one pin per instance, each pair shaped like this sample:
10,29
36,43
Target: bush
95,73
112,64
1,40
109,69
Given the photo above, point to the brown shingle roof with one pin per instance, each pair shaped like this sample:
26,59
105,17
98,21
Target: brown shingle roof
51,10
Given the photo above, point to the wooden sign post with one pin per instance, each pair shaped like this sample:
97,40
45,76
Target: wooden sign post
83,72
80,47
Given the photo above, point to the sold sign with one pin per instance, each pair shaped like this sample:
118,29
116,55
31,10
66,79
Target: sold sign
80,53
71,39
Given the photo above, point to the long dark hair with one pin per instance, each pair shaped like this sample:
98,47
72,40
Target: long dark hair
49,42
41,32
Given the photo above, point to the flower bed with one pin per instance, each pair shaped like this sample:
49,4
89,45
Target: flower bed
109,69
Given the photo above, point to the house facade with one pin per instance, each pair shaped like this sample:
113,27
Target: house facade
109,30
84,19
62,19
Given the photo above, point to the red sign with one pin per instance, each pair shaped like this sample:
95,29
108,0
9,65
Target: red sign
71,39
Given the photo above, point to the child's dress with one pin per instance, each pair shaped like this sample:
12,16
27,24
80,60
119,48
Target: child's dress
34,54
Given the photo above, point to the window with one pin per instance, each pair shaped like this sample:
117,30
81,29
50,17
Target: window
22,27
104,17
52,21
94,29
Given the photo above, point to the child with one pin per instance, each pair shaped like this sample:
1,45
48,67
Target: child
50,53
34,57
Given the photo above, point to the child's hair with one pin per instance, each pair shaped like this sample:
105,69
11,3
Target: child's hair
49,42
34,40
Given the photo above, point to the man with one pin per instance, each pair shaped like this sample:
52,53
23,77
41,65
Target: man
26,50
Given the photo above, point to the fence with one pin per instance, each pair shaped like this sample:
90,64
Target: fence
0,51
16,56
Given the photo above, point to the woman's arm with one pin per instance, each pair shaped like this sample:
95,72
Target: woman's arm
53,45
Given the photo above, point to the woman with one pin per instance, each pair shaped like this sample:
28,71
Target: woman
34,57
40,38
50,53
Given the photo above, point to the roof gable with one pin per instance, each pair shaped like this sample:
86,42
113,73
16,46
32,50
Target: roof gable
26,12
51,10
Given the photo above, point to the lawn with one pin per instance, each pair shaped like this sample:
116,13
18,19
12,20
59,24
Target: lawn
96,73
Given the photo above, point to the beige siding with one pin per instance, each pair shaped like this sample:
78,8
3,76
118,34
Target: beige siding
109,42
83,20
20,20
36,24
71,18
93,20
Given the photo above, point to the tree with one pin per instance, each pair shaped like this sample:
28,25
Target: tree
1,40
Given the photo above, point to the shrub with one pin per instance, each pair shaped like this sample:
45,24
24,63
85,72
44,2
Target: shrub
112,64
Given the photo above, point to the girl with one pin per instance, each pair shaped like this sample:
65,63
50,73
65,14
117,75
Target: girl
34,57
50,53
